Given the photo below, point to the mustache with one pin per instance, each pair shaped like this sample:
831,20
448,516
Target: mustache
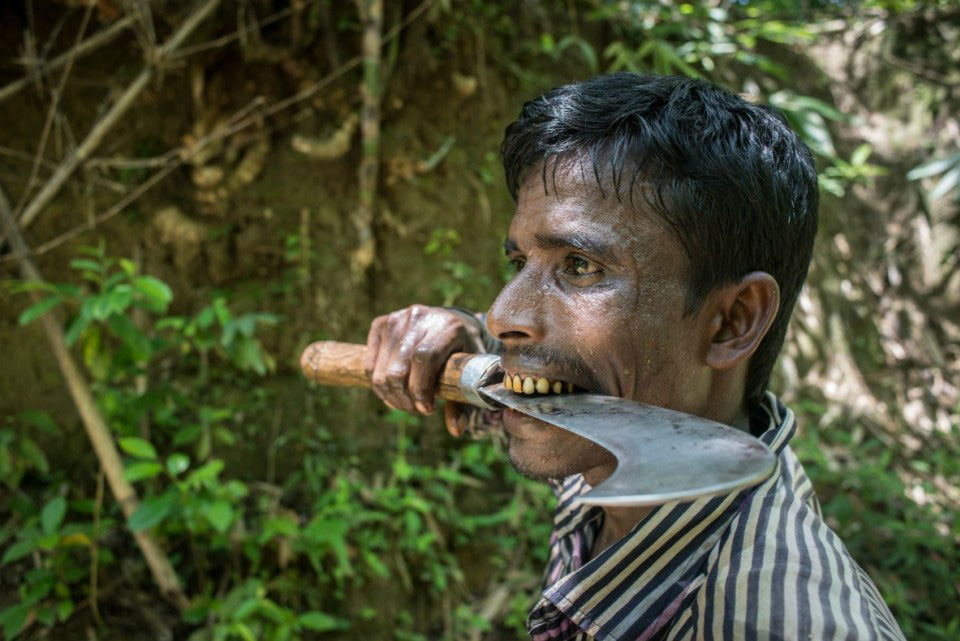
550,357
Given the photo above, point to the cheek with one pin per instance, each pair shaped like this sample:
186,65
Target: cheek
636,342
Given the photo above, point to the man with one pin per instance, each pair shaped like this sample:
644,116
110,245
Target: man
663,231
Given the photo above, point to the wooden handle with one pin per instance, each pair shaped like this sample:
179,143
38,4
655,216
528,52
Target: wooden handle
341,364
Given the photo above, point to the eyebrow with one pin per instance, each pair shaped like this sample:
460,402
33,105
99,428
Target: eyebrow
576,241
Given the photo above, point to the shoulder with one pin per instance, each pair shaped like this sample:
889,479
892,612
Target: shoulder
779,572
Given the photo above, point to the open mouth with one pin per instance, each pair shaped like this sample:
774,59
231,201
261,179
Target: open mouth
529,384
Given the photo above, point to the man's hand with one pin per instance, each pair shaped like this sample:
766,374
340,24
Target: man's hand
407,349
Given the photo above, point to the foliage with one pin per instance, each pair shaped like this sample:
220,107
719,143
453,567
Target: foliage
459,277
301,547
947,168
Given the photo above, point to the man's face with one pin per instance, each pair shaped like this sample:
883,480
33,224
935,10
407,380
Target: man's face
597,301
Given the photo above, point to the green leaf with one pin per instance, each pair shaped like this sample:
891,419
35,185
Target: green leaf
52,514
32,453
37,310
861,154
123,327
950,180
13,618
220,515
177,463
136,446
152,511
81,264
18,550
128,266
208,472
933,167
142,470
320,622
64,609
76,328
156,292
40,420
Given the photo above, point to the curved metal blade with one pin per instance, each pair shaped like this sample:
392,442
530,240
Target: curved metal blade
662,455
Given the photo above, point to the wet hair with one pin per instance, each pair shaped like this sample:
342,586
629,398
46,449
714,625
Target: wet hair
732,182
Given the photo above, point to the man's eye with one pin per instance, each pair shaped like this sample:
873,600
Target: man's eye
517,264
579,266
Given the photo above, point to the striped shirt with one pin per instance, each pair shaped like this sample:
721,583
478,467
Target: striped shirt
755,564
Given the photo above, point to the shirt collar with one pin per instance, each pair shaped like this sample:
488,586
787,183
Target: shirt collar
632,589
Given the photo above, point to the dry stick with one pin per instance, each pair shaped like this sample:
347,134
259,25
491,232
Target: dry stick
294,10
51,112
109,119
87,46
371,14
215,135
97,430
95,550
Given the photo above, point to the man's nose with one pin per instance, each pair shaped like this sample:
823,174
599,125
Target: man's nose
515,315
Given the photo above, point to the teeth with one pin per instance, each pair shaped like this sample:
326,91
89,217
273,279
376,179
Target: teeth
529,387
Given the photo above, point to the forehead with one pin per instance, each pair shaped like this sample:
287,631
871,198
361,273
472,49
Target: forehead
570,204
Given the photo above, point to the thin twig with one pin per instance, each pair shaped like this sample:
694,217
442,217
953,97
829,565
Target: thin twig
89,45
52,187
183,153
54,106
106,183
95,550
239,33
96,428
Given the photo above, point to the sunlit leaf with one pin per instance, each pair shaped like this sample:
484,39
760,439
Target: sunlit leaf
219,514
37,310
947,183
142,470
177,463
52,514
156,292
320,622
138,447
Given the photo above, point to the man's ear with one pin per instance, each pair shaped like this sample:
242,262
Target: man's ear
741,316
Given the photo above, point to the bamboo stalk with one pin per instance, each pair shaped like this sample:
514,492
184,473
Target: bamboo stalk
371,15
100,129
97,431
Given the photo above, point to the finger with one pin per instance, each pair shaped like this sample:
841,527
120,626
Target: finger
374,340
426,363
454,418
392,368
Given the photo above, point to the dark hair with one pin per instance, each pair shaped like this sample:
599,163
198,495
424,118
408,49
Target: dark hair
737,187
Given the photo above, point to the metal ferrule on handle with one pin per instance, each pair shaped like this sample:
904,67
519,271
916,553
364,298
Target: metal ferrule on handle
479,371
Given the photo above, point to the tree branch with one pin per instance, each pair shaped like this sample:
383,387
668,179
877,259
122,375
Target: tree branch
97,431
52,187
89,45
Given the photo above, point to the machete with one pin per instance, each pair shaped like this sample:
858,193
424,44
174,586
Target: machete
662,455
